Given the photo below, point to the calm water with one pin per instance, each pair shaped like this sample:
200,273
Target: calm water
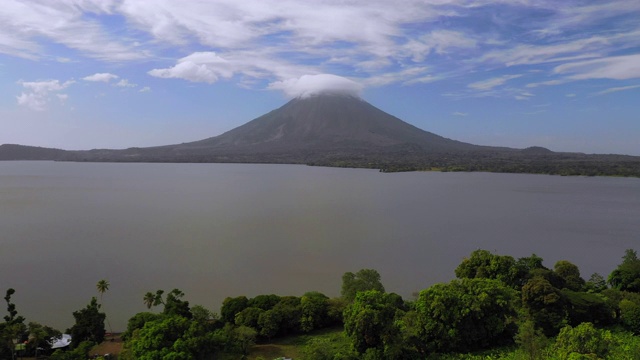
218,230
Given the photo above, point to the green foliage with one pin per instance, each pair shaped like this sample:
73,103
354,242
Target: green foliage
587,307
484,265
544,304
172,337
630,315
137,321
363,280
335,309
173,305
264,302
370,321
41,337
626,276
244,338
596,283
203,315
89,325
232,306
531,341
249,317
12,329
314,307
79,352
583,342
570,274
466,314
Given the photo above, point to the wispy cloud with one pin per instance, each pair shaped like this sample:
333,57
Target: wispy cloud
614,67
617,89
458,113
492,83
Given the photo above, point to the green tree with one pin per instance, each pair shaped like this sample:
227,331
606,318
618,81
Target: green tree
137,321
41,337
232,306
363,280
269,323
173,337
570,274
596,283
174,305
203,315
370,321
626,276
544,305
264,302
484,265
149,299
584,339
249,317
13,329
531,340
244,338
89,324
466,314
102,286
587,307
630,315
314,307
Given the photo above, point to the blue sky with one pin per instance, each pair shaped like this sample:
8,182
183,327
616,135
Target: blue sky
82,74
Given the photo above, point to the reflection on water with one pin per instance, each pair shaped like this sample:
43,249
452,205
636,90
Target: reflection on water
218,230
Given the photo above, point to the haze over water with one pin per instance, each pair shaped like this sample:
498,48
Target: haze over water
218,230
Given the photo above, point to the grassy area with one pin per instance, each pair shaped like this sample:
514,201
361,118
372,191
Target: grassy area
294,346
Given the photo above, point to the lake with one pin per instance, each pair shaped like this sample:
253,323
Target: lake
218,230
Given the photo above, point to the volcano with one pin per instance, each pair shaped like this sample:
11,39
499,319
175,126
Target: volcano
345,131
316,129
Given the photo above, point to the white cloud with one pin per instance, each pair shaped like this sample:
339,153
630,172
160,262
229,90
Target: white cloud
125,83
145,89
100,77
617,89
309,85
62,22
209,67
38,93
457,113
491,83
187,70
615,67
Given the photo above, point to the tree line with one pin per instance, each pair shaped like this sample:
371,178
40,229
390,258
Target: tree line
495,301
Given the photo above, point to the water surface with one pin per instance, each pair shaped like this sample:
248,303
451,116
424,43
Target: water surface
218,230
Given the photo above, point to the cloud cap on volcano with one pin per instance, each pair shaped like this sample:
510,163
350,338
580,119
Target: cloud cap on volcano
310,85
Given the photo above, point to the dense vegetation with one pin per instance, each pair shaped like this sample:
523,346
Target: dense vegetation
498,307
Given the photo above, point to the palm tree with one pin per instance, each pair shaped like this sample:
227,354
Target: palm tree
149,299
103,286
